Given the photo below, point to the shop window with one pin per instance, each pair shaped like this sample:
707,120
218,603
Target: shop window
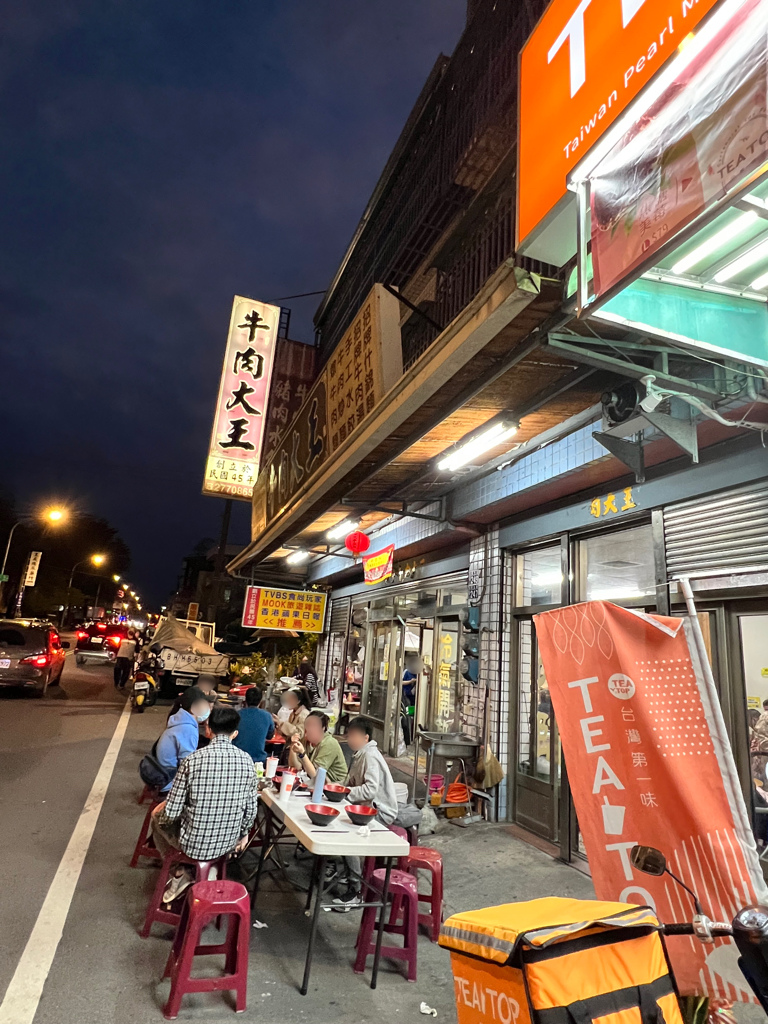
536,750
539,578
618,567
416,604
378,671
453,598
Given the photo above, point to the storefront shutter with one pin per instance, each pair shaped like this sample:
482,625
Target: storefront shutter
339,615
722,532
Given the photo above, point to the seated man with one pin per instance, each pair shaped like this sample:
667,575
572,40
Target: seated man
369,778
370,782
256,726
319,749
181,735
212,804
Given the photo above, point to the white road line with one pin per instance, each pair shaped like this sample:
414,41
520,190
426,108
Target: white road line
26,988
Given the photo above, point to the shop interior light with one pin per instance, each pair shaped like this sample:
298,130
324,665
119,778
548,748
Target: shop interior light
748,259
480,444
342,529
297,556
714,242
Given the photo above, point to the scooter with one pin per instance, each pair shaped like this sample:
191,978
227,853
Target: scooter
144,692
749,929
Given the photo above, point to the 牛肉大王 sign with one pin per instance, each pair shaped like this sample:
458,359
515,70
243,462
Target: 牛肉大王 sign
585,61
297,610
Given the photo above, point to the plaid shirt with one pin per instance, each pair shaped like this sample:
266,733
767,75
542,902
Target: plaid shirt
214,794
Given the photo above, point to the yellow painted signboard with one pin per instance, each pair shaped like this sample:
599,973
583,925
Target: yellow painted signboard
299,610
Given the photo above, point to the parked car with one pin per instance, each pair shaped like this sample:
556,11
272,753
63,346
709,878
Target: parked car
31,654
98,642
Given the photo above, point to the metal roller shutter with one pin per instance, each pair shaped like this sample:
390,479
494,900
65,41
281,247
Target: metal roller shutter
339,615
727,531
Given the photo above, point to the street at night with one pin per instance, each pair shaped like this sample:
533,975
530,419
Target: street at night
384,512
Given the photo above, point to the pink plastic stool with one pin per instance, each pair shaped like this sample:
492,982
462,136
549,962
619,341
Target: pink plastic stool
206,901
155,911
432,861
145,846
402,888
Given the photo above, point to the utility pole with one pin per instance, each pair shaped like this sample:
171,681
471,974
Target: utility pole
221,556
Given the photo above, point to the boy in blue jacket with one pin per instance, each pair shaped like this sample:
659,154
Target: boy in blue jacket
181,734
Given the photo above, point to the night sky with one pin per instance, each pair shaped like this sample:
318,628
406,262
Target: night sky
159,157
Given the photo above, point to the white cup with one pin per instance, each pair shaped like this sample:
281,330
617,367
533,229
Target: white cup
272,763
286,784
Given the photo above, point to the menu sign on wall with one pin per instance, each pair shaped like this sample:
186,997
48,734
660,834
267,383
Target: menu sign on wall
362,368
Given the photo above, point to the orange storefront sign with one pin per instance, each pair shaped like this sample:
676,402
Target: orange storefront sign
584,63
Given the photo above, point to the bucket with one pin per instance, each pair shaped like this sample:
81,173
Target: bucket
401,792
436,782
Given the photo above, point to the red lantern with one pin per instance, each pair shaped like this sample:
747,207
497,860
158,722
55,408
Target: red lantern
357,543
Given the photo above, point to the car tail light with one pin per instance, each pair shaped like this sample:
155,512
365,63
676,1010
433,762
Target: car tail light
81,634
101,625
38,660
115,640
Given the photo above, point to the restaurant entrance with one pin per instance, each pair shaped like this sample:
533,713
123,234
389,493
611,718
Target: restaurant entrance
409,663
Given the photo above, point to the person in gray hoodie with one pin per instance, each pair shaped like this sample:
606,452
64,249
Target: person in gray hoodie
369,778
181,734
370,782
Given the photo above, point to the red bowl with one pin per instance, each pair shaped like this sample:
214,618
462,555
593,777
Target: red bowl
319,814
360,814
334,792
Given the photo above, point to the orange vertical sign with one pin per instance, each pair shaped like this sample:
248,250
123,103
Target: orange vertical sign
585,61
645,765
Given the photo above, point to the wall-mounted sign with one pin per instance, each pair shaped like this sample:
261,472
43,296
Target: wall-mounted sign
584,63
298,610
377,567
293,374
365,364
238,424
612,504
193,611
31,567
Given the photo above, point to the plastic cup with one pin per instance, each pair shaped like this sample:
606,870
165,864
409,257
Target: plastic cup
272,763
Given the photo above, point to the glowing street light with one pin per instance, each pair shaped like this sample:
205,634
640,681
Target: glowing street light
95,559
98,559
116,578
53,515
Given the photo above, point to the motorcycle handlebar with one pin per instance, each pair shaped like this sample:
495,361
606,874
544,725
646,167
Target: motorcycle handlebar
717,928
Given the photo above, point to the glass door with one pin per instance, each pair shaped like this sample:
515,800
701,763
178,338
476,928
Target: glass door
377,669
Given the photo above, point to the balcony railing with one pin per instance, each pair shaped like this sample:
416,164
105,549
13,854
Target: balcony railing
467,126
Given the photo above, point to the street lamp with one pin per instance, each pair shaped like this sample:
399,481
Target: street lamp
96,560
53,515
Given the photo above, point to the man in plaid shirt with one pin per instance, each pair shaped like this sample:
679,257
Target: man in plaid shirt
213,801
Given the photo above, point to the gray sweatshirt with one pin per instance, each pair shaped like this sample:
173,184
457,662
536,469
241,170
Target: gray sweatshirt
370,782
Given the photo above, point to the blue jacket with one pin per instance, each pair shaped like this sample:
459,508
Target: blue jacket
256,726
178,741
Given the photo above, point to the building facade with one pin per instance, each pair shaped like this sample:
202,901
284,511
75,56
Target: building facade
521,433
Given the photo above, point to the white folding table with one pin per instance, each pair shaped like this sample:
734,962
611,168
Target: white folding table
341,838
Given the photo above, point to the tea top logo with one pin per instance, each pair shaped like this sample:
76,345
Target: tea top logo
621,686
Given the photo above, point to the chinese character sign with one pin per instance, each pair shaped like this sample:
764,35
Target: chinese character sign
293,374
641,731
378,566
298,610
238,426
613,504
364,365
30,569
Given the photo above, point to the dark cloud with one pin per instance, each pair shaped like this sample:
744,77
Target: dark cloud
159,158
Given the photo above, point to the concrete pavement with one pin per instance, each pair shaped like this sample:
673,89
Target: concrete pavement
50,752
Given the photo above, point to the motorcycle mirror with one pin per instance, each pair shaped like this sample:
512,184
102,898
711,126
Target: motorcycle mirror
648,859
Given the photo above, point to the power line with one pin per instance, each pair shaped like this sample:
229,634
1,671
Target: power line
301,295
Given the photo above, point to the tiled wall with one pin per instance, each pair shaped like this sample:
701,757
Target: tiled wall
495,570
564,456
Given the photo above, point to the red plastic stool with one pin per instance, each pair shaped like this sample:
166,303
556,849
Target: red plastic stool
206,901
145,846
148,793
155,911
402,888
432,861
